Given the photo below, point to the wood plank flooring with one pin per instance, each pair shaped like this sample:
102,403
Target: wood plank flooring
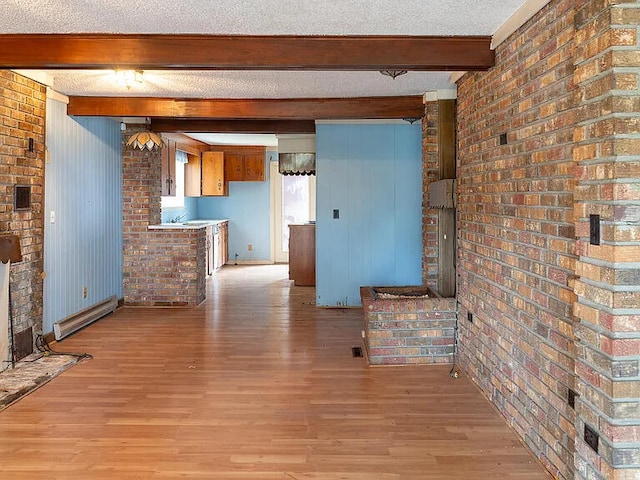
257,384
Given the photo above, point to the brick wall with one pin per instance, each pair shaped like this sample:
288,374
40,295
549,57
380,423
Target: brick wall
161,267
607,157
22,116
430,173
405,331
516,235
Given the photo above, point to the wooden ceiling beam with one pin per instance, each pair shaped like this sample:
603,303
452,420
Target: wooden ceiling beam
224,52
250,109
169,125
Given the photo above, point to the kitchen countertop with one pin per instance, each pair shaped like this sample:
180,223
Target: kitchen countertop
188,224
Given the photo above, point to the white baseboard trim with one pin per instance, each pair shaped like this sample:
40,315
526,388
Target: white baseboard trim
249,262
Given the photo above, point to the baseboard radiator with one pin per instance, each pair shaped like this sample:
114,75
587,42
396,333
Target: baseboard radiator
75,322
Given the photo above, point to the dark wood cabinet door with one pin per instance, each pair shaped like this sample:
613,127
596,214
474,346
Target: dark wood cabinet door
234,167
254,168
168,174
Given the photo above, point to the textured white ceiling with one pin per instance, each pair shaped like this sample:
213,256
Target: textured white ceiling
243,84
257,17
268,140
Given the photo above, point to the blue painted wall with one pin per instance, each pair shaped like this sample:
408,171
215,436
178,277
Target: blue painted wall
372,174
83,186
188,212
248,209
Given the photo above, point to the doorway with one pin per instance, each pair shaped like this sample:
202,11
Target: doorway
293,200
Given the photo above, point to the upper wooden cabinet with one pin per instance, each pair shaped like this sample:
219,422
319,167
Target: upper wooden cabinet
193,176
234,167
243,163
254,168
169,168
214,182
192,170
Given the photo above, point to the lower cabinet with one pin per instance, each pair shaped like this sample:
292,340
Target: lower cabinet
217,246
210,250
223,236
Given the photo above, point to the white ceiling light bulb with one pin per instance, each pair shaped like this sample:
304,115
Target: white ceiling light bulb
127,78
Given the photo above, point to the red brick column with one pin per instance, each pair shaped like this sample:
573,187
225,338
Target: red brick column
607,158
22,116
430,173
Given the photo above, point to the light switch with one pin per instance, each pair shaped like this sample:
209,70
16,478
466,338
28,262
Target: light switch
52,216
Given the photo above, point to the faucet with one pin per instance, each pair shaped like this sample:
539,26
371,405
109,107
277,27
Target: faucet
177,218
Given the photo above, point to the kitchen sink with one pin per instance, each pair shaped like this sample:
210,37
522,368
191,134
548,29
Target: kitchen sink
196,222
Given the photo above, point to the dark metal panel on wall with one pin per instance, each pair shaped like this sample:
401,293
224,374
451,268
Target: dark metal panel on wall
447,216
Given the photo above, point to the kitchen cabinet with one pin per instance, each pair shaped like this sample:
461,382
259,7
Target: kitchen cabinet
254,168
223,238
213,179
234,167
216,246
193,176
244,163
168,174
210,249
245,167
302,254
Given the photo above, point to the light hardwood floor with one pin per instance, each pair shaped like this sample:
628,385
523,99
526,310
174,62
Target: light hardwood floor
254,384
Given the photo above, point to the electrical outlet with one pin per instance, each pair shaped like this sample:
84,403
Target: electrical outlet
84,292
52,216
250,247
591,437
336,213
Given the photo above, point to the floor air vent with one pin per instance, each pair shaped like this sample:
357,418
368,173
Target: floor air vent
84,317
356,351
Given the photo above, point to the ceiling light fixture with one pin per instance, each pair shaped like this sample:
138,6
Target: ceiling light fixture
145,140
128,78
411,120
393,73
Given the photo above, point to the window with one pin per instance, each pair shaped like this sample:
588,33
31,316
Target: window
298,203
178,199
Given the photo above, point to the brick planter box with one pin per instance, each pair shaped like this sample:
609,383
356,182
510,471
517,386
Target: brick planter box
408,329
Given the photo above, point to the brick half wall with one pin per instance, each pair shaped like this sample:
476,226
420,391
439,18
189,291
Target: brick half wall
161,267
406,331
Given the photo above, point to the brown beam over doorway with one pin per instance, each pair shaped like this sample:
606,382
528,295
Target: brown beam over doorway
168,125
235,52
250,109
